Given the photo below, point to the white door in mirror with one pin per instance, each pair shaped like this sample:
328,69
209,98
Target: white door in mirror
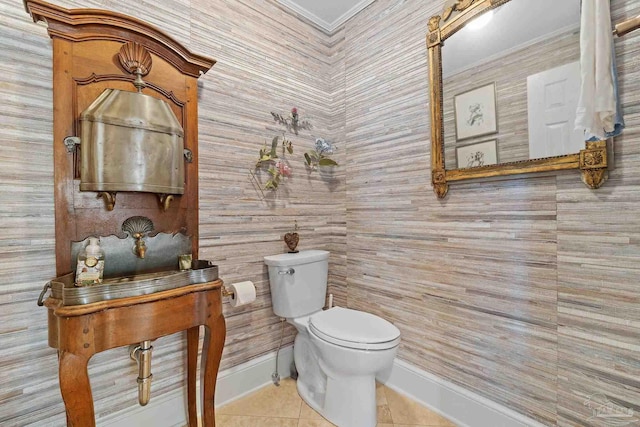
552,100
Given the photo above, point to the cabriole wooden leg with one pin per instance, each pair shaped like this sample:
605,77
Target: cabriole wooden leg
193,335
214,335
76,389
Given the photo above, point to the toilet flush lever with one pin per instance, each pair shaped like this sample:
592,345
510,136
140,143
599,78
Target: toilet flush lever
287,271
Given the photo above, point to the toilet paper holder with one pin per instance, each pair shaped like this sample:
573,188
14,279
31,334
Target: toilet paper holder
241,293
226,292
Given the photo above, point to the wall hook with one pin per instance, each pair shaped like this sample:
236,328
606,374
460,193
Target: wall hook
72,143
165,201
109,199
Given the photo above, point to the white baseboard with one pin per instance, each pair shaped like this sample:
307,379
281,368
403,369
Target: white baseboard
167,410
463,407
170,409
237,382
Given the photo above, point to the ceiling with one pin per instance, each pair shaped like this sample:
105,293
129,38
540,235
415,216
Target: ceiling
327,14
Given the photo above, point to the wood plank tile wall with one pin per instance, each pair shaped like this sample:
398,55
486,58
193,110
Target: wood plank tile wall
522,290
268,60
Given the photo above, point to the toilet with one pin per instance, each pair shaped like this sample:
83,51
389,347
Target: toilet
337,352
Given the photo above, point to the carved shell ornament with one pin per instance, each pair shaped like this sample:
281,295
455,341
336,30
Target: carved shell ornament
135,58
137,225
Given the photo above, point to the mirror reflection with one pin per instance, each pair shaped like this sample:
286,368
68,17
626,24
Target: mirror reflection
511,81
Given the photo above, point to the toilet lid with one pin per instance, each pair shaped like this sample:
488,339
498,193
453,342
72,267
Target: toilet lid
354,329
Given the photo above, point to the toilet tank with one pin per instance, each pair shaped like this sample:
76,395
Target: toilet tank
298,282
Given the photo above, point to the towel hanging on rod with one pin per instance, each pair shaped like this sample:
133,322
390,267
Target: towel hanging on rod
596,110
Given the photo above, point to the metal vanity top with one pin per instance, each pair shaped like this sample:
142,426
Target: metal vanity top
64,289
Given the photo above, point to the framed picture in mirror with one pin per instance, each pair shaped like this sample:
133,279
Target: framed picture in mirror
476,113
478,154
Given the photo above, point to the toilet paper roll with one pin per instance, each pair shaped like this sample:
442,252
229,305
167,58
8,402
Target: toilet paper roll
243,293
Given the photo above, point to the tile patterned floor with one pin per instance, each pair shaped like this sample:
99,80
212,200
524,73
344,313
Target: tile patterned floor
282,407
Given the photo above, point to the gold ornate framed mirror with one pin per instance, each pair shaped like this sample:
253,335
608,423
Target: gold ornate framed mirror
481,107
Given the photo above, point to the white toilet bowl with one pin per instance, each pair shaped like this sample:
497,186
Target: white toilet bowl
337,352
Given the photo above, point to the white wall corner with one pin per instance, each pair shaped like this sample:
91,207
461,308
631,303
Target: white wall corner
361,5
328,27
324,25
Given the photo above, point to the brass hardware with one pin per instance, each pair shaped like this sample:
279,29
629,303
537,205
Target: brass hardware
141,248
137,227
109,199
72,143
188,155
226,292
138,82
142,354
165,201
591,161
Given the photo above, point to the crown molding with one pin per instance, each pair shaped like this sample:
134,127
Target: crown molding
328,27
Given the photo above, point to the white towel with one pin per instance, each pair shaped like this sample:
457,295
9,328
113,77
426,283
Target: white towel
597,106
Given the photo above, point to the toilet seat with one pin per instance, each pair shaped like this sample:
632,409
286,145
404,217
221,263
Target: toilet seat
354,329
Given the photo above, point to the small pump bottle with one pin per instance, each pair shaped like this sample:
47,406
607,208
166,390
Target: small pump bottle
90,265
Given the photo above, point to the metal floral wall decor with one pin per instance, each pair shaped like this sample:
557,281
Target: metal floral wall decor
320,156
273,158
277,166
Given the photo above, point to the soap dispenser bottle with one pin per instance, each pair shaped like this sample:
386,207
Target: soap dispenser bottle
90,265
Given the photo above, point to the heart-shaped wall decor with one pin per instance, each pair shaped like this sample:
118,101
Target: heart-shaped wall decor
292,239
